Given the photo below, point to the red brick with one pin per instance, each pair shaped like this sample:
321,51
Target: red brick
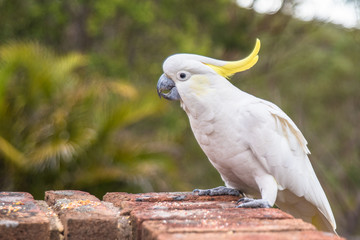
215,218
155,216
52,196
21,218
83,215
163,202
117,197
298,235
189,216
167,201
56,227
154,228
124,223
235,213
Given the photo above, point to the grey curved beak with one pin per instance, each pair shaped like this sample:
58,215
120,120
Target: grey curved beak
166,88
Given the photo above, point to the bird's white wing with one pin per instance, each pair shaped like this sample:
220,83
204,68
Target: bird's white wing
282,150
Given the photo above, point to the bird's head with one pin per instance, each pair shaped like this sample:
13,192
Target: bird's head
195,71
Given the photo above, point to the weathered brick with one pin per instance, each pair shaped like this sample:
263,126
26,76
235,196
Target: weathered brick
202,218
56,227
117,197
52,196
298,235
163,202
214,220
167,201
154,228
216,216
83,215
154,216
235,213
21,218
124,223
189,216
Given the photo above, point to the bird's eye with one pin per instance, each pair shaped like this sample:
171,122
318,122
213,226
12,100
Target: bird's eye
183,75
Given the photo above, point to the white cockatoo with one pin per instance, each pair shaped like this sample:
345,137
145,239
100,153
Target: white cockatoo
257,149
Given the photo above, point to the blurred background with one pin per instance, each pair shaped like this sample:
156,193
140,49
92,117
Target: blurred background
78,102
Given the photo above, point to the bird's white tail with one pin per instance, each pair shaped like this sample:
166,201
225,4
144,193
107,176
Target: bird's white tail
299,207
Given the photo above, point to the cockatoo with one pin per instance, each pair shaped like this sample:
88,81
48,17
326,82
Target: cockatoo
257,149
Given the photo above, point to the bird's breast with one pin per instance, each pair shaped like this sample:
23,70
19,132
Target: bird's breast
222,135
218,135
228,152
203,129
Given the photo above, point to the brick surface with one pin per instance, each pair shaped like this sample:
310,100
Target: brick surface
214,220
118,197
167,201
294,235
154,228
158,216
83,215
150,216
124,223
56,227
132,204
21,218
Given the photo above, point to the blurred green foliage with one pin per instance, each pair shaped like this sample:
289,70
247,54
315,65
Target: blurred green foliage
62,127
78,105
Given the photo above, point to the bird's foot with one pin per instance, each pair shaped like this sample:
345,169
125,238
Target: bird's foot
252,203
217,191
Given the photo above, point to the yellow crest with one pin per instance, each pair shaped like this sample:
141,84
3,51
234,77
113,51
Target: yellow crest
232,67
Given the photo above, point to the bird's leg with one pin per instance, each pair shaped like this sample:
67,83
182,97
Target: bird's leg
218,191
252,203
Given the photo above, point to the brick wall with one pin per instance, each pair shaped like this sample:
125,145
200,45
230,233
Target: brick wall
150,216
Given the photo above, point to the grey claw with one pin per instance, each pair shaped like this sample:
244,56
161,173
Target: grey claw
218,191
179,198
202,192
253,203
244,200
